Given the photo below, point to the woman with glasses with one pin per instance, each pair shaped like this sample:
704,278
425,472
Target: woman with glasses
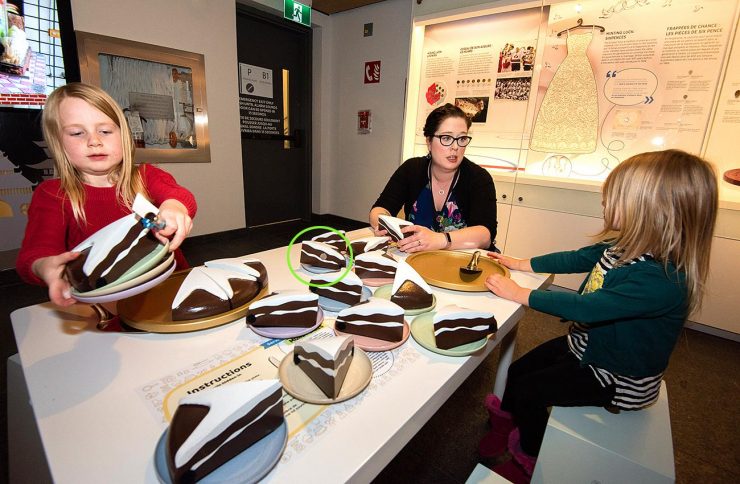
450,200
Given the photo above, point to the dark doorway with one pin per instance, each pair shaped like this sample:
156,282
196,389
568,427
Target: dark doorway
275,106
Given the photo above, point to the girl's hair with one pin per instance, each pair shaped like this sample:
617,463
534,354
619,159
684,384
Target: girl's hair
125,176
438,115
664,203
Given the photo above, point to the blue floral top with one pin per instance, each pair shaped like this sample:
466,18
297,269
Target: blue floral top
425,214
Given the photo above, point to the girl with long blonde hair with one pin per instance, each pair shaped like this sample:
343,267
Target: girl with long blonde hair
645,278
88,137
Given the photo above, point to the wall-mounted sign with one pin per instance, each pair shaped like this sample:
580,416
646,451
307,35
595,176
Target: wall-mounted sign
297,12
364,122
255,80
372,72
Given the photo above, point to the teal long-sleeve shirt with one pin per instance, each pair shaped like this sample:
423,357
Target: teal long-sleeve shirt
634,319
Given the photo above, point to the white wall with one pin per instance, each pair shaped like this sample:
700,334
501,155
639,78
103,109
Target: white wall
362,164
208,28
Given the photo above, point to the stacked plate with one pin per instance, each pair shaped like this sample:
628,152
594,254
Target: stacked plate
110,242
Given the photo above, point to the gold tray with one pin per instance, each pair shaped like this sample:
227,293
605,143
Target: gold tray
441,268
151,310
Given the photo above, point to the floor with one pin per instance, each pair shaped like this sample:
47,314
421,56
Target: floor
703,382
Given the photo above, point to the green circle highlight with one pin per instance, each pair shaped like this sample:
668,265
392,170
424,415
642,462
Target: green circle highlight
324,228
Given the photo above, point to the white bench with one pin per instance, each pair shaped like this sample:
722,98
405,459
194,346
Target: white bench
592,445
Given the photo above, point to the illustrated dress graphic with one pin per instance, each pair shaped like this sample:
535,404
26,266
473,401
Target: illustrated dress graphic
568,119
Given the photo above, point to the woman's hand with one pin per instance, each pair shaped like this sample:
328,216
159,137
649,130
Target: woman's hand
419,239
178,223
511,262
51,271
379,232
506,288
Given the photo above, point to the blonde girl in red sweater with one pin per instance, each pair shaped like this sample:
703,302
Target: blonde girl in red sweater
93,151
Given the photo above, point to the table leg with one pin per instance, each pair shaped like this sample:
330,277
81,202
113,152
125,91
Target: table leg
507,352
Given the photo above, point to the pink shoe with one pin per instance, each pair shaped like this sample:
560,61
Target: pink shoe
493,444
522,458
501,421
513,472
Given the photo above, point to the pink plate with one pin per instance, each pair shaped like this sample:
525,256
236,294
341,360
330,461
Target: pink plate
287,332
377,282
116,296
374,344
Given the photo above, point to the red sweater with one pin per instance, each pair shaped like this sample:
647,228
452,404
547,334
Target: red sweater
52,229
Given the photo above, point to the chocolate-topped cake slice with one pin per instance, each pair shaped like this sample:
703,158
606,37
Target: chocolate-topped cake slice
455,325
199,296
325,361
409,290
319,254
347,291
393,225
213,426
291,309
245,265
375,265
369,244
109,253
375,318
333,239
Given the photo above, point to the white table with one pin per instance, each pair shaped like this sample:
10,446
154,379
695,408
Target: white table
94,427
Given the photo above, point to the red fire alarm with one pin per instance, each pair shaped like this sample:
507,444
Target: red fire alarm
364,122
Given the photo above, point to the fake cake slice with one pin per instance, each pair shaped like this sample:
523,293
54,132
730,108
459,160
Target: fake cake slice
245,265
369,244
347,291
375,265
319,254
375,318
211,427
285,309
393,225
199,296
455,326
333,239
109,253
325,361
409,290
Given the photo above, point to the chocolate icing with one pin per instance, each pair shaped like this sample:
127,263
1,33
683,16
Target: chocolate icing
350,293
386,333
359,247
463,335
411,296
187,418
323,258
331,386
371,270
260,267
200,304
265,316
333,239
140,249
244,291
396,236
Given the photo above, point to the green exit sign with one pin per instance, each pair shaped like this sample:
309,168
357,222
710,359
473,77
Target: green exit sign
297,12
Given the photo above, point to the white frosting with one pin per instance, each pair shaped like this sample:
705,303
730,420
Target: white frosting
376,257
328,348
236,264
284,297
197,278
327,236
482,327
374,305
407,273
331,252
453,311
102,241
395,224
227,404
371,243
389,324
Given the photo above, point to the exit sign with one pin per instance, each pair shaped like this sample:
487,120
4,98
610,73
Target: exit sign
297,12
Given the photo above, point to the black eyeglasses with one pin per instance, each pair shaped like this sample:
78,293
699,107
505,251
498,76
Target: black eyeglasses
447,140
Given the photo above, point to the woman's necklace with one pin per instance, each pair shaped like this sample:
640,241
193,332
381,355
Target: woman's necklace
442,188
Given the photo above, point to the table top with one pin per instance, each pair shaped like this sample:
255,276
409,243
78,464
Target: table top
87,389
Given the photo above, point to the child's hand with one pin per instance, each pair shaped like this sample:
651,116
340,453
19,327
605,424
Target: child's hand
178,223
506,288
511,262
51,271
